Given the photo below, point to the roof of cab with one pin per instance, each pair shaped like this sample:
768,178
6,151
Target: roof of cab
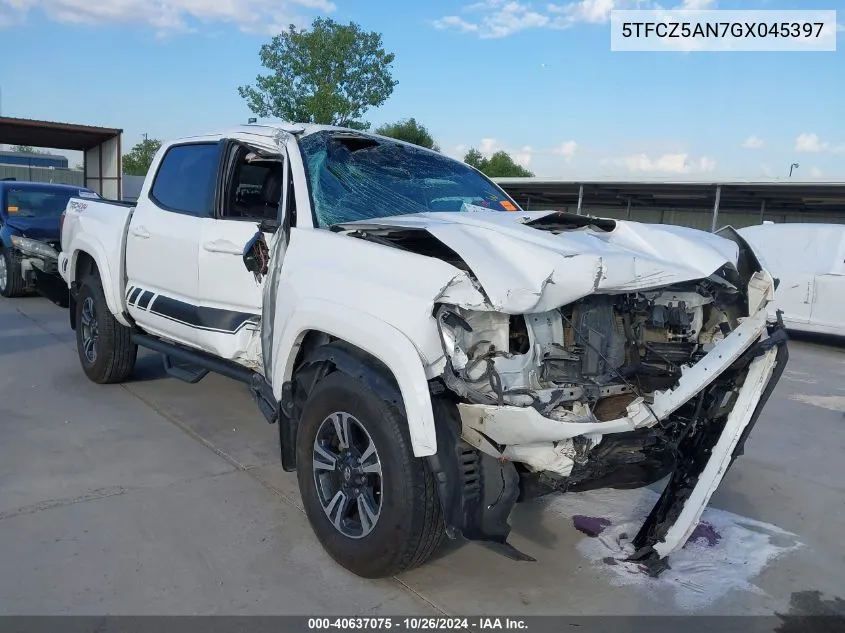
269,130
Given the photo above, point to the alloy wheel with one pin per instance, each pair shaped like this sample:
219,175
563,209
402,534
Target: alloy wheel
348,475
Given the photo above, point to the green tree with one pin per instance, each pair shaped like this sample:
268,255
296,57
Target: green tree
474,158
499,165
331,74
410,131
137,161
26,149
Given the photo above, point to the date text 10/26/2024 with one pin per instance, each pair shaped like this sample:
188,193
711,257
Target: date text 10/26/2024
416,624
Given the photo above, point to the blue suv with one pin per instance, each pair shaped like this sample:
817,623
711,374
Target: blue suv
30,236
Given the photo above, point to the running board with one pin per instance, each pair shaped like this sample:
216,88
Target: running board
186,372
191,366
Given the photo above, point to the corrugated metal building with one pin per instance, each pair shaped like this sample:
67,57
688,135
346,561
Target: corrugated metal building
700,205
132,187
43,174
33,159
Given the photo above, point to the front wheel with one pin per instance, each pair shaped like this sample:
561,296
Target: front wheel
105,347
371,503
11,278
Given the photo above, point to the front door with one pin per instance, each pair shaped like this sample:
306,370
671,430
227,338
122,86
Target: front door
250,191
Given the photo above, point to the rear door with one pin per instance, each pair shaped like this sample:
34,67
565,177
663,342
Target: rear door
249,193
162,266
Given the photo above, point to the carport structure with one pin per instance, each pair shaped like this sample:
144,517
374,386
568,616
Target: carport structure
704,205
101,148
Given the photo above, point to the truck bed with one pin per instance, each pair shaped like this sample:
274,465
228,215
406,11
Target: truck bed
98,228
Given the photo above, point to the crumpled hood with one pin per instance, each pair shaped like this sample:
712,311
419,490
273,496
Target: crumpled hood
525,269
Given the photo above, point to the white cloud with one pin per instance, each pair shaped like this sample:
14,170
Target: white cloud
567,149
810,143
270,16
499,18
753,142
839,149
523,157
496,18
678,163
591,11
815,172
697,5
489,146
550,158
453,21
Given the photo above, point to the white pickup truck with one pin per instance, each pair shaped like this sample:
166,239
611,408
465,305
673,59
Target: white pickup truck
431,353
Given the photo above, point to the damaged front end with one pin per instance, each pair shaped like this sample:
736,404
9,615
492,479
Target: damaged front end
615,390
37,261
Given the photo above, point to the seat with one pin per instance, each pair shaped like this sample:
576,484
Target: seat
271,194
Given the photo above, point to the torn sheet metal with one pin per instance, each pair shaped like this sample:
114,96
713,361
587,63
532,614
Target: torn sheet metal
525,425
523,269
759,374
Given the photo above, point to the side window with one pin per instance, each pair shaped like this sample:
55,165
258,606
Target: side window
185,179
255,186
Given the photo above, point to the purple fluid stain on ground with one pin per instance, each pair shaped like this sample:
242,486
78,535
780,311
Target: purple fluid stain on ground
707,532
591,526
609,560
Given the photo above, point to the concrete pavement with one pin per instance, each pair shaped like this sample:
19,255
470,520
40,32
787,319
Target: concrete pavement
159,497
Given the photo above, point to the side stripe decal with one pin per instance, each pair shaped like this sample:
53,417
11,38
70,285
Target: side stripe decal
199,317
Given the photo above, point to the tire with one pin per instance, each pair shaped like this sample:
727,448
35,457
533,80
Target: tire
11,279
409,525
105,348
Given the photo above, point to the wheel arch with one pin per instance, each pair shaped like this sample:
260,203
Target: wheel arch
90,259
366,348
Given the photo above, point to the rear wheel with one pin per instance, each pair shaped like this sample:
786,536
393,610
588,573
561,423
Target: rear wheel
11,278
371,503
105,348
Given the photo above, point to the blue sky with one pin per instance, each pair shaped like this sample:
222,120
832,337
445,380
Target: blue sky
493,74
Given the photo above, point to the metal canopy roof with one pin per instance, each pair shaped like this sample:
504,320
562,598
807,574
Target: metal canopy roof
51,134
818,197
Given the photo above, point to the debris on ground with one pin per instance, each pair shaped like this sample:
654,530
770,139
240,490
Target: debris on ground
591,526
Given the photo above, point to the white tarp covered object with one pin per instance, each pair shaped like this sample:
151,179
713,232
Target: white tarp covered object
809,261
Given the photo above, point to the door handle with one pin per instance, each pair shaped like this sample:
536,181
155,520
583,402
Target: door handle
223,246
140,231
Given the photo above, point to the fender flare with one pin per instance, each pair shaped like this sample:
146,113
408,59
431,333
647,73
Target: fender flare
111,290
373,336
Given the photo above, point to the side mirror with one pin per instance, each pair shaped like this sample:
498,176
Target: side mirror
257,256
268,225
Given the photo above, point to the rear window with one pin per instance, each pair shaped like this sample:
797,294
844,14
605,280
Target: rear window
34,202
185,180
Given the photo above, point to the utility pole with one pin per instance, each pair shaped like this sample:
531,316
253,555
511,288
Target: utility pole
791,167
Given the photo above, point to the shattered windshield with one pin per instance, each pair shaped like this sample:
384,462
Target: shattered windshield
355,177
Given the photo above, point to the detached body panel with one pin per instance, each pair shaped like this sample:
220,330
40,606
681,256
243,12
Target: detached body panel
809,262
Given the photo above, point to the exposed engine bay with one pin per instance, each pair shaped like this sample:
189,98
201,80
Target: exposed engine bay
593,362
592,352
